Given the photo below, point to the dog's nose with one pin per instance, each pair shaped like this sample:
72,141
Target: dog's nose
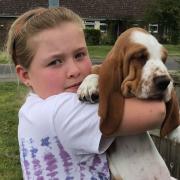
161,82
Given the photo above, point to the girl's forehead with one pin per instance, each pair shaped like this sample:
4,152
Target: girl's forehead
63,38
68,28
62,31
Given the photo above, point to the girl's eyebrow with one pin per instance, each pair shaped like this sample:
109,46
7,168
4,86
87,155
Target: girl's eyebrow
81,48
62,55
52,57
55,55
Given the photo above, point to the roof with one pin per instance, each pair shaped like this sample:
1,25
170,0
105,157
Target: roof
107,9
95,9
17,7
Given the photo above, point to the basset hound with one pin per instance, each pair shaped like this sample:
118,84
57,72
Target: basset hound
134,67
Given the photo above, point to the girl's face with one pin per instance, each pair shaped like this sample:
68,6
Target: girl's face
61,61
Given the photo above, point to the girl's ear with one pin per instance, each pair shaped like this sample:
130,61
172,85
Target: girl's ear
23,75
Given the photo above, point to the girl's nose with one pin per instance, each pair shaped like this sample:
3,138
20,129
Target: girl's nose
73,70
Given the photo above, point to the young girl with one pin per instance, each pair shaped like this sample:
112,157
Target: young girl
59,136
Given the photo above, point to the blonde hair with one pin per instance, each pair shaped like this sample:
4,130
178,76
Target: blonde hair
31,23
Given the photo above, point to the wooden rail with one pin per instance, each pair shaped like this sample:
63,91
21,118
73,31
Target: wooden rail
170,152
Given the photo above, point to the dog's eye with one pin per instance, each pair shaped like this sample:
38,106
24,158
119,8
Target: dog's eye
143,57
140,55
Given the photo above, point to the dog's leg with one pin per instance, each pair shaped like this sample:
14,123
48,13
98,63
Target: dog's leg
175,135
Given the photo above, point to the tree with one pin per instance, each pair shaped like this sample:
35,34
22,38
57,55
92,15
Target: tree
166,13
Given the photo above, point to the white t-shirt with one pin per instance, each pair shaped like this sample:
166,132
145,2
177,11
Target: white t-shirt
59,138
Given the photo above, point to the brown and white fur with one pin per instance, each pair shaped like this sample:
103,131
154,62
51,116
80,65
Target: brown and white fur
134,67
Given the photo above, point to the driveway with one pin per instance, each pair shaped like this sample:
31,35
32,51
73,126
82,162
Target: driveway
173,63
7,73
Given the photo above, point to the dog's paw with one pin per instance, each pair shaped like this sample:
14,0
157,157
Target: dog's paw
88,90
175,135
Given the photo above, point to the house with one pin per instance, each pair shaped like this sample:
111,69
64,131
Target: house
10,10
98,14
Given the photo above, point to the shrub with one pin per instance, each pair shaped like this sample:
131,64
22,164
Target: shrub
92,36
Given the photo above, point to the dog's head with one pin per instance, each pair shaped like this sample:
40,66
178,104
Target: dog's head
134,67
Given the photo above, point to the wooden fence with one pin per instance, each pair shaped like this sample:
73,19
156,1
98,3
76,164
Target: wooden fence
170,152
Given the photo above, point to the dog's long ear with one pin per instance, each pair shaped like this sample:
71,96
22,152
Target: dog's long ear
172,119
111,102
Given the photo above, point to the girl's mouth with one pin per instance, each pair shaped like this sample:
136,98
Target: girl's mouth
73,88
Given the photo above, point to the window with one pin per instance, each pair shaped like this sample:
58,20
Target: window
103,27
153,28
89,24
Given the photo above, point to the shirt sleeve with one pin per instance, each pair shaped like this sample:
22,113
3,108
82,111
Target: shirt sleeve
77,125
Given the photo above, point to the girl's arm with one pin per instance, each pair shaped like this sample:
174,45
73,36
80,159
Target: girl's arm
141,115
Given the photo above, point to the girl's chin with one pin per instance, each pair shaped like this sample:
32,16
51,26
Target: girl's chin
72,90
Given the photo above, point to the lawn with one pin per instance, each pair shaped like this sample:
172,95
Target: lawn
3,58
173,50
98,52
11,97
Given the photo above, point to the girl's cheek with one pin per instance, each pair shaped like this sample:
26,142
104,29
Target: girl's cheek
85,66
88,66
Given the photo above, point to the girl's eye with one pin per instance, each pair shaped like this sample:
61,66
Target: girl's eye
55,62
80,55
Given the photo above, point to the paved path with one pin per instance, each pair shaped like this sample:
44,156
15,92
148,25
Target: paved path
7,73
173,63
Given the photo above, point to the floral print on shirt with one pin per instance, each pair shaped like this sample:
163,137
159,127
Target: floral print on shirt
47,167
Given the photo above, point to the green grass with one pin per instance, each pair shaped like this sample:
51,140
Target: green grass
3,58
173,50
98,52
11,97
